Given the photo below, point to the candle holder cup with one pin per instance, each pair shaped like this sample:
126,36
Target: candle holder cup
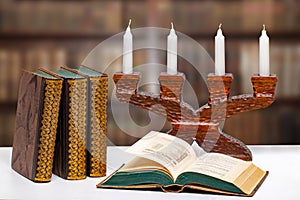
203,124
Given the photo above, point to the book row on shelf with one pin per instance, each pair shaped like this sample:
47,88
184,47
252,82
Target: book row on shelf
241,61
203,17
268,128
285,61
59,17
11,64
12,61
107,16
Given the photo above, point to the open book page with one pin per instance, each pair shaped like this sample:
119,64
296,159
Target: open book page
140,163
219,166
173,153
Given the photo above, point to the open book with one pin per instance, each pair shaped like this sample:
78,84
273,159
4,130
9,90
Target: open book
167,162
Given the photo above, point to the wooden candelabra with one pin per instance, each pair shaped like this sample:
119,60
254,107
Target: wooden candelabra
203,124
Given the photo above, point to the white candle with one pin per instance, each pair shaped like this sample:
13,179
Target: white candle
172,52
219,53
127,51
264,59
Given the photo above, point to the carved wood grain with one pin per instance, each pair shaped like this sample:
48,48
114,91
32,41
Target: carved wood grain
203,124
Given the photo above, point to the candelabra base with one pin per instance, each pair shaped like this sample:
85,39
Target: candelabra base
212,139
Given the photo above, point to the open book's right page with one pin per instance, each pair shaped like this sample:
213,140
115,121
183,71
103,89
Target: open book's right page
219,166
228,169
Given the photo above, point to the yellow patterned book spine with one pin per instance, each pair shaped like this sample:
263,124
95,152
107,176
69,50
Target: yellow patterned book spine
48,130
77,129
99,90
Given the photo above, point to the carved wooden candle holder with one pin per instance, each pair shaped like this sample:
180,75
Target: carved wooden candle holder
203,124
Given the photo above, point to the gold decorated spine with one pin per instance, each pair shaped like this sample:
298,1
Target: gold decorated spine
48,130
99,90
77,129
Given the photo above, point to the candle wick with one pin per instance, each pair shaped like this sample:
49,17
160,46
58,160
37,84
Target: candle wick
220,26
172,26
264,27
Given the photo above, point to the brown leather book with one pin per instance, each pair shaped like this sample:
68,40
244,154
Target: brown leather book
70,146
36,124
96,119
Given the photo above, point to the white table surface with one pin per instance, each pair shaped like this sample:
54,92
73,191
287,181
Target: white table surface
283,182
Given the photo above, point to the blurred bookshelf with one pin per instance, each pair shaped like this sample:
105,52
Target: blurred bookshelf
52,33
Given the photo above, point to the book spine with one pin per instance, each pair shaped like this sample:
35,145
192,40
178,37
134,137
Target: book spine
96,165
76,138
49,120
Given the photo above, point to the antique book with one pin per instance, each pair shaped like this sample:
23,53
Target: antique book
70,146
168,163
97,91
36,125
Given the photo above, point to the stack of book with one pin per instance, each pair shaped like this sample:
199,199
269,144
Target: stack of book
61,124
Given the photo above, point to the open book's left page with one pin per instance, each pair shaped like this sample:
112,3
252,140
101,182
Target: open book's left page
169,151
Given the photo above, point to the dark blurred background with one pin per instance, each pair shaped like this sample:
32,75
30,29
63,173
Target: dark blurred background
35,33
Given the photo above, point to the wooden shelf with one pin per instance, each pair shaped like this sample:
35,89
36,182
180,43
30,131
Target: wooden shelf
56,36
